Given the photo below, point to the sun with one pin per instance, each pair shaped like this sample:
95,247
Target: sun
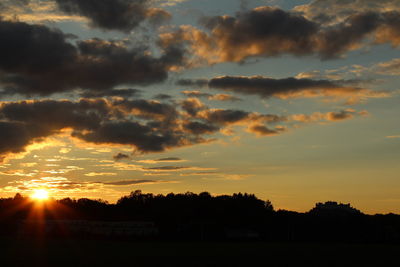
40,194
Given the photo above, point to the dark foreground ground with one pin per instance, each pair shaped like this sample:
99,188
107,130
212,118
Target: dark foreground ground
123,253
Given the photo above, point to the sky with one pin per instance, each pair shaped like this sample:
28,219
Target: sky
296,102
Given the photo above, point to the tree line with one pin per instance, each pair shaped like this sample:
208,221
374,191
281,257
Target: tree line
206,217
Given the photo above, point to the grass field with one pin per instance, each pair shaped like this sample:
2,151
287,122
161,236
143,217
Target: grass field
112,253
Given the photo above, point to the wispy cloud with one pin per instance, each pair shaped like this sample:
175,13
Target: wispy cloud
136,182
92,174
393,136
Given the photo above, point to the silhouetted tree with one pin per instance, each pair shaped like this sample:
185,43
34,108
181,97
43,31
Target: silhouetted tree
203,216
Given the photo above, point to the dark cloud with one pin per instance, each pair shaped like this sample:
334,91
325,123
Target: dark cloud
263,130
208,121
55,115
105,64
145,125
143,137
16,136
96,121
341,115
37,60
267,31
26,122
121,15
283,88
226,116
33,49
338,39
170,159
200,128
264,31
121,156
213,120
272,30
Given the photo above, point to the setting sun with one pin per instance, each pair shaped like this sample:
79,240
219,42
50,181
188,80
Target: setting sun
40,194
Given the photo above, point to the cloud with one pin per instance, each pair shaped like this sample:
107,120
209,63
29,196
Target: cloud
56,184
95,121
225,116
333,11
192,94
61,186
192,106
167,168
121,15
267,31
328,116
338,116
64,150
209,121
143,137
170,159
92,174
21,173
34,11
154,161
37,60
28,164
121,156
348,35
148,108
200,128
262,130
267,87
263,31
224,97
135,182
386,68
8,4
146,126
217,97
199,173
176,168
287,87
391,67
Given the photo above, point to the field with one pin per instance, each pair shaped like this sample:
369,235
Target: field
117,253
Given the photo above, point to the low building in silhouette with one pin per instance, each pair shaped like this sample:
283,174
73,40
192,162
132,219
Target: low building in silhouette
91,228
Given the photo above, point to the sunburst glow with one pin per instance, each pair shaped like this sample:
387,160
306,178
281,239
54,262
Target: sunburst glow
40,194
